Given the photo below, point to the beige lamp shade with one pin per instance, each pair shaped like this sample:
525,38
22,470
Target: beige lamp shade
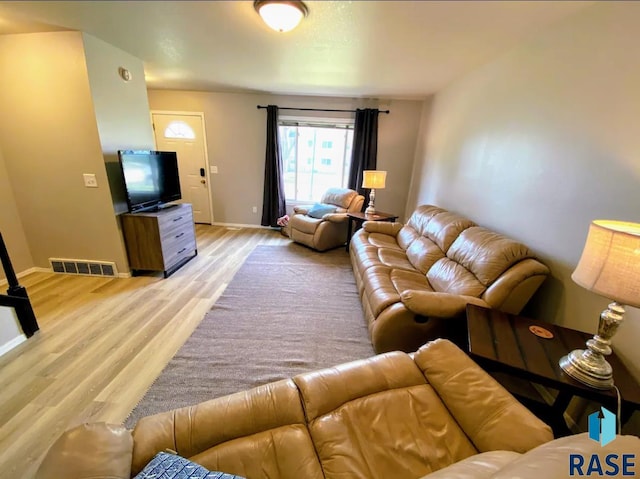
374,179
610,261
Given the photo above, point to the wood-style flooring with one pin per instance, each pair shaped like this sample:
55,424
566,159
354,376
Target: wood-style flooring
102,342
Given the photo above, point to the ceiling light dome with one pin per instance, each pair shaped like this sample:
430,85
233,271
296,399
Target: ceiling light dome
281,15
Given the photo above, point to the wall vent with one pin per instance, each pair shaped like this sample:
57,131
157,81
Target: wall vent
84,267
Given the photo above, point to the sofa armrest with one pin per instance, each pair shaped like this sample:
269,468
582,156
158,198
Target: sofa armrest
335,217
301,210
489,415
384,227
438,305
89,451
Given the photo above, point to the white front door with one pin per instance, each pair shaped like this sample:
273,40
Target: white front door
184,134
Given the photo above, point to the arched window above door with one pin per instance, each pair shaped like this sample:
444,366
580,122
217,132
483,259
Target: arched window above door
179,129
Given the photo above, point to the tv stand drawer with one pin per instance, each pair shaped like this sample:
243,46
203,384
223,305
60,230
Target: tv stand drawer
158,240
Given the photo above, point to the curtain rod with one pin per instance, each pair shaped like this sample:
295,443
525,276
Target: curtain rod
260,107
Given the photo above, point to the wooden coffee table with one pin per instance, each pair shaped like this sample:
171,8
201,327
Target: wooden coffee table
360,218
503,342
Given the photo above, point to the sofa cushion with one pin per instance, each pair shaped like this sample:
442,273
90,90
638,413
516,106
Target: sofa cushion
318,210
447,276
239,433
357,415
378,288
341,197
486,254
394,258
380,240
423,253
305,224
408,280
487,416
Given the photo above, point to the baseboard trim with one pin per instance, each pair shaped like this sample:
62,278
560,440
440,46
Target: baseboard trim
242,225
21,274
37,269
5,348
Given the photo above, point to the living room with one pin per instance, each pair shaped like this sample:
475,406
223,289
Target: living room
535,143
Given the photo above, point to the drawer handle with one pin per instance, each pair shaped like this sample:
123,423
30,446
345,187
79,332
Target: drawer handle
181,234
177,219
182,250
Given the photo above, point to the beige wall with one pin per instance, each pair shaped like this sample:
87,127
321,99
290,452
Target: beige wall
540,142
236,143
11,225
121,108
49,139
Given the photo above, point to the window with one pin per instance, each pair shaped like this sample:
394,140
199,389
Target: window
179,129
316,156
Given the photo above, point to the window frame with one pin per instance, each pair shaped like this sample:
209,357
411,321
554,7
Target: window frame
319,122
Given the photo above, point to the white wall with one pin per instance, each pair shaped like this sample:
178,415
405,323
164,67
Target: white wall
236,132
10,331
540,142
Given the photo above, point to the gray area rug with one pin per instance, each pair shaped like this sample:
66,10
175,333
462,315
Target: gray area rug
287,310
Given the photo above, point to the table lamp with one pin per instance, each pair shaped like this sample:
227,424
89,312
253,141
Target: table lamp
374,179
610,267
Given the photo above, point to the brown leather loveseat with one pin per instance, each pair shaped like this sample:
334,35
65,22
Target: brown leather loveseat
414,278
398,416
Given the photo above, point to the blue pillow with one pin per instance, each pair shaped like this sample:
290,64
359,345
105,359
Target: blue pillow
172,466
320,209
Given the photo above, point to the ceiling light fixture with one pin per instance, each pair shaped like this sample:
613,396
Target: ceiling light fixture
281,15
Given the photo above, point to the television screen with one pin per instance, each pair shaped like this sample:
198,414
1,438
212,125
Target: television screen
151,178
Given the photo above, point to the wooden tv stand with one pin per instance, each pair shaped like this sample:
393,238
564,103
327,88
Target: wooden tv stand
161,240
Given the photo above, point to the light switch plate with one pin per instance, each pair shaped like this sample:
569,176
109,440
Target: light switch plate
213,169
90,180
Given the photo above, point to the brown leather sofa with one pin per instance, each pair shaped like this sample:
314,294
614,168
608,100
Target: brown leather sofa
415,279
329,231
403,416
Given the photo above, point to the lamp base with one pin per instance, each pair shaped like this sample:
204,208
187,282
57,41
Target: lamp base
371,209
588,368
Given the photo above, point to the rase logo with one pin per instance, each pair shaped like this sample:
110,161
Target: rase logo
602,429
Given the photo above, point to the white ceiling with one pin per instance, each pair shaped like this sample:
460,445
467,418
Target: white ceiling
384,49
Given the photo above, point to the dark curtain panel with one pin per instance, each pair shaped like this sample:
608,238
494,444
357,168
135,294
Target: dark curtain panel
273,205
365,147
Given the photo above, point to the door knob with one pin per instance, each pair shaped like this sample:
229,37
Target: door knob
202,181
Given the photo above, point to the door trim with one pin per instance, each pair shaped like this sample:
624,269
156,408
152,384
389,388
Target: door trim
207,170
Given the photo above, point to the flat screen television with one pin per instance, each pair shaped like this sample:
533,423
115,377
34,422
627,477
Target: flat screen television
150,177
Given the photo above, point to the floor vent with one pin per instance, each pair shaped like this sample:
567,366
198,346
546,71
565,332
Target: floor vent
83,267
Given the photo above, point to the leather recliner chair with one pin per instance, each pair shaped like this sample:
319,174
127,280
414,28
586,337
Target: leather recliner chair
330,230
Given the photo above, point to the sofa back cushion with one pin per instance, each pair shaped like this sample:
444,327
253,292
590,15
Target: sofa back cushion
482,407
357,415
341,197
259,433
456,255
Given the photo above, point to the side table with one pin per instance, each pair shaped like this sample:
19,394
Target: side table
503,342
360,218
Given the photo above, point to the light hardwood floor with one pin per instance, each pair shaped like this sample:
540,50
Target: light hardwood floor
102,342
